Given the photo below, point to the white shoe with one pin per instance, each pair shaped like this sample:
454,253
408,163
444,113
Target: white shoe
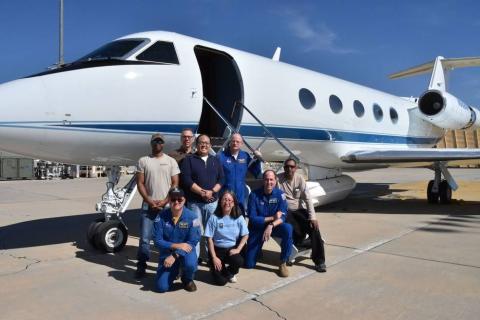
233,279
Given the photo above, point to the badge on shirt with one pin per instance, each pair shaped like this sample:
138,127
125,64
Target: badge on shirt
183,225
229,161
274,200
242,160
220,225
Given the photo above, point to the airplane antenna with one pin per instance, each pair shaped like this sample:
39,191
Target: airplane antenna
276,55
60,49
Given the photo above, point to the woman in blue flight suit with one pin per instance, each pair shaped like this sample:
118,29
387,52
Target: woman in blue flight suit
176,233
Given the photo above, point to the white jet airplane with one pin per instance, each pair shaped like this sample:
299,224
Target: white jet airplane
102,109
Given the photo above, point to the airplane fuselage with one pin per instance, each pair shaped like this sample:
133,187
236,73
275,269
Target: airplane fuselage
104,114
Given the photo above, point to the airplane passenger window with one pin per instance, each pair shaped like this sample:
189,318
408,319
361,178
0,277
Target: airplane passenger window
160,51
393,115
307,99
358,108
377,112
335,104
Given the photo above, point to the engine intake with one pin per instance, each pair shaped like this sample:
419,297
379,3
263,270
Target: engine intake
447,111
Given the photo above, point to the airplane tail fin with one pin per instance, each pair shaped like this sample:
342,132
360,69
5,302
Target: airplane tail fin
440,67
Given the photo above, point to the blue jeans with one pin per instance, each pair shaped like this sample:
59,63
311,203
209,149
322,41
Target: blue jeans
166,276
203,211
146,234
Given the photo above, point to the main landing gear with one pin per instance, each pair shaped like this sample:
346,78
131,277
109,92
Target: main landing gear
441,189
109,233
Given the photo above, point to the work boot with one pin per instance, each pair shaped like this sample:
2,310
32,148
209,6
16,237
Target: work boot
140,273
283,270
321,267
190,286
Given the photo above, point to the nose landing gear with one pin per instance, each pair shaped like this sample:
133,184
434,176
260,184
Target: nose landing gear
109,233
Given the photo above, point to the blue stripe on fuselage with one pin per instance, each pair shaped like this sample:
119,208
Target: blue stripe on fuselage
256,131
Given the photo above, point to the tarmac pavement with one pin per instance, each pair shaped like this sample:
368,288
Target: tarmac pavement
390,255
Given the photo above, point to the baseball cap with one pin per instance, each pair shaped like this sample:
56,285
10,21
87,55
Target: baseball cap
157,136
176,193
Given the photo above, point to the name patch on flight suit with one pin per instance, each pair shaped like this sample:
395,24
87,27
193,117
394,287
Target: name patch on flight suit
183,224
274,200
242,160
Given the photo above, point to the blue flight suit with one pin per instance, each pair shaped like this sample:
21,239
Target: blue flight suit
235,171
261,205
166,233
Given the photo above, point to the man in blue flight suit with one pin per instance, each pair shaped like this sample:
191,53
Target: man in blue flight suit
177,232
236,163
267,209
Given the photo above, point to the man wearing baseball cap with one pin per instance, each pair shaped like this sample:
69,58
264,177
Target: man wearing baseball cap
156,174
176,233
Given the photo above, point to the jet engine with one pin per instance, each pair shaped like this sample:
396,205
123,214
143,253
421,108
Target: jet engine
447,111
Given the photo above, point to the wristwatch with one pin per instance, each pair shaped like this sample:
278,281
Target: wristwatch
175,255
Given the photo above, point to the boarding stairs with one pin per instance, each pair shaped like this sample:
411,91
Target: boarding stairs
220,143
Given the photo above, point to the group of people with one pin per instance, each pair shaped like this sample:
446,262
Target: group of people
195,208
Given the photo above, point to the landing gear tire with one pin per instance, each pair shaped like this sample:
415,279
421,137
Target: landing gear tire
432,197
92,231
111,236
445,192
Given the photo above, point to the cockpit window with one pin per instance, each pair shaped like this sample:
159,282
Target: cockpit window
160,51
119,49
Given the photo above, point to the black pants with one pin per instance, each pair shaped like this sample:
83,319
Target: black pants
234,262
301,227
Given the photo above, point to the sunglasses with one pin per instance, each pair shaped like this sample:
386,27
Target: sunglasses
157,141
176,200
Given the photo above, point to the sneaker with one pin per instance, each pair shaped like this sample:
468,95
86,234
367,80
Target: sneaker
321,267
283,270
140,273
233,279
190,286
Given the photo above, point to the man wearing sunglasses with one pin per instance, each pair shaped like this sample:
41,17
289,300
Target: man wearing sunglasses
176,233
301,213
156,174
186,147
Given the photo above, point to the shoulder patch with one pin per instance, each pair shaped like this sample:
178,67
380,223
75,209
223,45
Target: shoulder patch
196,222
283,196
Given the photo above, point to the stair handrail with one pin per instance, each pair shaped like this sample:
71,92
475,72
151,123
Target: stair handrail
231,127
292,155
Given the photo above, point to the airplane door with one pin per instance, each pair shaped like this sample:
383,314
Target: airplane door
222,86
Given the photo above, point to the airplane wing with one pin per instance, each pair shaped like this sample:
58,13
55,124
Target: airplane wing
411,155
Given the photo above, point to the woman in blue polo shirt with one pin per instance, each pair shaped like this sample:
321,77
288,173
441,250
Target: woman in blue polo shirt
227,234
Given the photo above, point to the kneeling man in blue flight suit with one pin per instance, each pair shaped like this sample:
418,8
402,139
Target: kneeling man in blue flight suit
267,210
176,233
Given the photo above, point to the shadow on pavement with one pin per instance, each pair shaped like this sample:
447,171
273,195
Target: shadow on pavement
56,230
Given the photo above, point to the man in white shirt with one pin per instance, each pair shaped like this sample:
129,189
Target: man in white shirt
301,214
156,174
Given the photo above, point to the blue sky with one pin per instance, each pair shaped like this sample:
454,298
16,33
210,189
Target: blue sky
360,41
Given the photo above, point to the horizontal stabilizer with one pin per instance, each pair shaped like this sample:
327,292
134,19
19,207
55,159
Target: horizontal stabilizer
447,64
410,155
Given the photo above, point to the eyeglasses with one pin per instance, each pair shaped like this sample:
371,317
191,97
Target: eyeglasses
204,143
179,200
187,137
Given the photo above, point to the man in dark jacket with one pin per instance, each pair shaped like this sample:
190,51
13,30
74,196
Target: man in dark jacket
201,176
